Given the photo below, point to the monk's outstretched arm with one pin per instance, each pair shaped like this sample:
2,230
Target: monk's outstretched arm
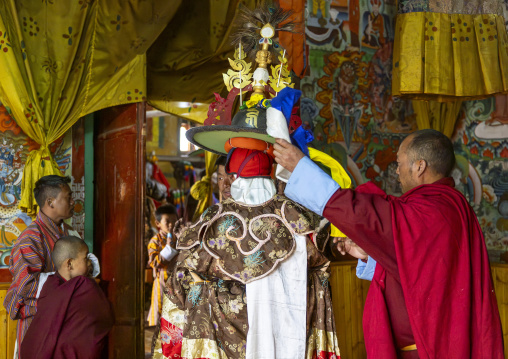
363,217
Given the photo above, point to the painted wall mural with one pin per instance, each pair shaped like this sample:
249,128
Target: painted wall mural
14,149
481,146
347,104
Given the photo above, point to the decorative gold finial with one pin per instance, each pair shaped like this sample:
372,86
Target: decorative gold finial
238,66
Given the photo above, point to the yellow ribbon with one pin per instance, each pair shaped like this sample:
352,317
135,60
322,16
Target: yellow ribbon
199,190
339,175
254,100
202,190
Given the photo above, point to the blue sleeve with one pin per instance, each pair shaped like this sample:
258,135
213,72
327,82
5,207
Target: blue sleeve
310,186
366,270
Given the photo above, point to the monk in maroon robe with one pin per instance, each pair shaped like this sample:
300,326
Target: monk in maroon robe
432,294
73,316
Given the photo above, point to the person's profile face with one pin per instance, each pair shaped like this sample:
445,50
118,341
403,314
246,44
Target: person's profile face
404,168
63,204
224,182
81,265
166,223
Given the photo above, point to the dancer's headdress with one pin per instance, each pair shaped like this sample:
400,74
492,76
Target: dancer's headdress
252,126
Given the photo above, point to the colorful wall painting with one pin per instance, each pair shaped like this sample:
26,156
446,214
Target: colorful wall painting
347,104
78,176
14,149
481,147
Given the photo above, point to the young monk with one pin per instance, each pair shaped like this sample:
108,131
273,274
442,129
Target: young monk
73,316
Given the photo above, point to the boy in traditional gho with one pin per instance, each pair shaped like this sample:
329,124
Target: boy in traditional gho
160,252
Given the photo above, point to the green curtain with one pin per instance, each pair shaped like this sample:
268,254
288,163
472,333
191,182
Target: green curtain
61,60
185,64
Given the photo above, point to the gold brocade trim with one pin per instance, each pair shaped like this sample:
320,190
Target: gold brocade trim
172,314
201,348
321,340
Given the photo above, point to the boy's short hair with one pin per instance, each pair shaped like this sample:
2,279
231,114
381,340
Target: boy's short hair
65,248
49,186
168,209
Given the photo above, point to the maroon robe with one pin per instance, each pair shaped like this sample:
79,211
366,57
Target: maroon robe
432,286
72,321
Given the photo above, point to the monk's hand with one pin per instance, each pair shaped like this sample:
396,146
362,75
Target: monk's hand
286,154
346,245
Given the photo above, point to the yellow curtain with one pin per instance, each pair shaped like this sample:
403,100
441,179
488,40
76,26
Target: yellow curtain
202,190
61,60
449,56
440,116
185,64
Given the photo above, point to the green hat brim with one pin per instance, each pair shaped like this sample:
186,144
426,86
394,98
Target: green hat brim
213,138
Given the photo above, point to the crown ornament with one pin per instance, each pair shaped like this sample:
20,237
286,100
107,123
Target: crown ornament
255,39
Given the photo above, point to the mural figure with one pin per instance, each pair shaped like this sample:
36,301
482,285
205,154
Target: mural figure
375,32
320,5
496,127
9,176
345,111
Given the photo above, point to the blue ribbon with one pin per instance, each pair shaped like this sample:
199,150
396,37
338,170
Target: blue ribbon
284,102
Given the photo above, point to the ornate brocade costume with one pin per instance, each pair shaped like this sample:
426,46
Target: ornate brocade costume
233,244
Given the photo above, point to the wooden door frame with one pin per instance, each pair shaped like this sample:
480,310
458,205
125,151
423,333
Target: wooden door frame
127,337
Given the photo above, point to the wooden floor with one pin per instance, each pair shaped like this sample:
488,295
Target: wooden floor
148,341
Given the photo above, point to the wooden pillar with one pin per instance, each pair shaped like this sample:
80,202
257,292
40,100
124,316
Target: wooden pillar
118,218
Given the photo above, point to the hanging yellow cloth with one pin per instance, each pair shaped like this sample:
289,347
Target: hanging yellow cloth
449,56
338,173
202,190
60,61
440,116
185,64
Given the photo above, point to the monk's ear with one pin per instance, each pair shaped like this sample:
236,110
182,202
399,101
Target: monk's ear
68,263
421,167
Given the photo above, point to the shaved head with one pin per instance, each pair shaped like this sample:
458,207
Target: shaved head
433,147
65,248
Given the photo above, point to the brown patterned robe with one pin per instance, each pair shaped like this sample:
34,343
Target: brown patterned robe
233,244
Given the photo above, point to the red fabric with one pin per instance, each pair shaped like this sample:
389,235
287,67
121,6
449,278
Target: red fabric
72,321
171,340
376,318
445,274
325,355
442,263
159,177
249,163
